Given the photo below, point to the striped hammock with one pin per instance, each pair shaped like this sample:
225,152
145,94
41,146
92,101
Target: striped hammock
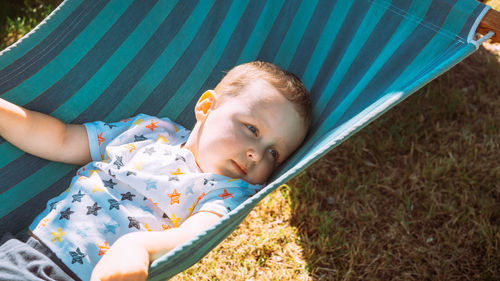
111,59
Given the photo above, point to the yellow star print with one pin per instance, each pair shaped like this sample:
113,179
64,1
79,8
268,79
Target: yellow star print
43,223
138,122
175,220
96,189
147,227
191,209
231,180
162,139
177,172
130,147
57,235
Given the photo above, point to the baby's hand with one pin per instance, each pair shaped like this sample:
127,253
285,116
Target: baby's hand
125,260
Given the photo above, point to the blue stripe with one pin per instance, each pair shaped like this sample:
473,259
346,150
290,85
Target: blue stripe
278,31
294,34
261,31
163,64
84,97
63,89
69,56
212,53
392,70
26,212
33,185
8,153
231,53
311,37
362,60
339,47
129,76
26,66
186,63
476,10
18,170
320,52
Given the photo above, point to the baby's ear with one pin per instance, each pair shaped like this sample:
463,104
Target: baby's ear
204,104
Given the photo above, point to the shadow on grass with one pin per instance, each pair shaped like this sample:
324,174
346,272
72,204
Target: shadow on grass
416,194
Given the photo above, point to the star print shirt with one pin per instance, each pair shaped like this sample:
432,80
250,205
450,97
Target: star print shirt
140,180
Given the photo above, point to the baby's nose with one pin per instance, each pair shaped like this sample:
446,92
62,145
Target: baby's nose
254,155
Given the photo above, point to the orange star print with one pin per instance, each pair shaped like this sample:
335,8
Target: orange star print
152,125
103,248
226,195
100,139
174,197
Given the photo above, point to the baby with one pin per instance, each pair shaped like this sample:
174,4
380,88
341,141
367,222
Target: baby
149,185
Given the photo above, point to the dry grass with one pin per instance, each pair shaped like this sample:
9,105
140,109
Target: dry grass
414,196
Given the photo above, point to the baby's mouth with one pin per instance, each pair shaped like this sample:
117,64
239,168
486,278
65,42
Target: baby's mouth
240,169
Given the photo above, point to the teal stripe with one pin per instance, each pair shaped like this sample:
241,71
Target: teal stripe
422,63
294,34
8,154
23,46
84,97
440,67
417,10
455,20
260,32
358,41
68,58
325,42
208,60
164,63
396,41
413,75
32,186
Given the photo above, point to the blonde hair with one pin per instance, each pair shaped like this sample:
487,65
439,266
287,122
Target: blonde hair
287,83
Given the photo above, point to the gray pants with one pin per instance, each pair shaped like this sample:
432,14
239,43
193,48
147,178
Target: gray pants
30,261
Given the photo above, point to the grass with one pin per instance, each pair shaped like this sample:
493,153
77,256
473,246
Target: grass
413,196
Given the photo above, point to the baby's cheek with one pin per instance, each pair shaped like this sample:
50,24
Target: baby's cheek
263,173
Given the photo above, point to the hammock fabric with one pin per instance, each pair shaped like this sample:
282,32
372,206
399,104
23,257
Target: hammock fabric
111,59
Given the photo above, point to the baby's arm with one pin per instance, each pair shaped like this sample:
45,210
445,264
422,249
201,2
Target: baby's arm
42,135
129,257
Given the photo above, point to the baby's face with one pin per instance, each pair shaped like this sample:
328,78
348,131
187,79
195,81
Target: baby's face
248,135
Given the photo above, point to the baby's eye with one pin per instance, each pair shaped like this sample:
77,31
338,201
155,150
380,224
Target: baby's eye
274,154
252,129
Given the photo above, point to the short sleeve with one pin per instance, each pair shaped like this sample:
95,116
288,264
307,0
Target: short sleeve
226,198
100,134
